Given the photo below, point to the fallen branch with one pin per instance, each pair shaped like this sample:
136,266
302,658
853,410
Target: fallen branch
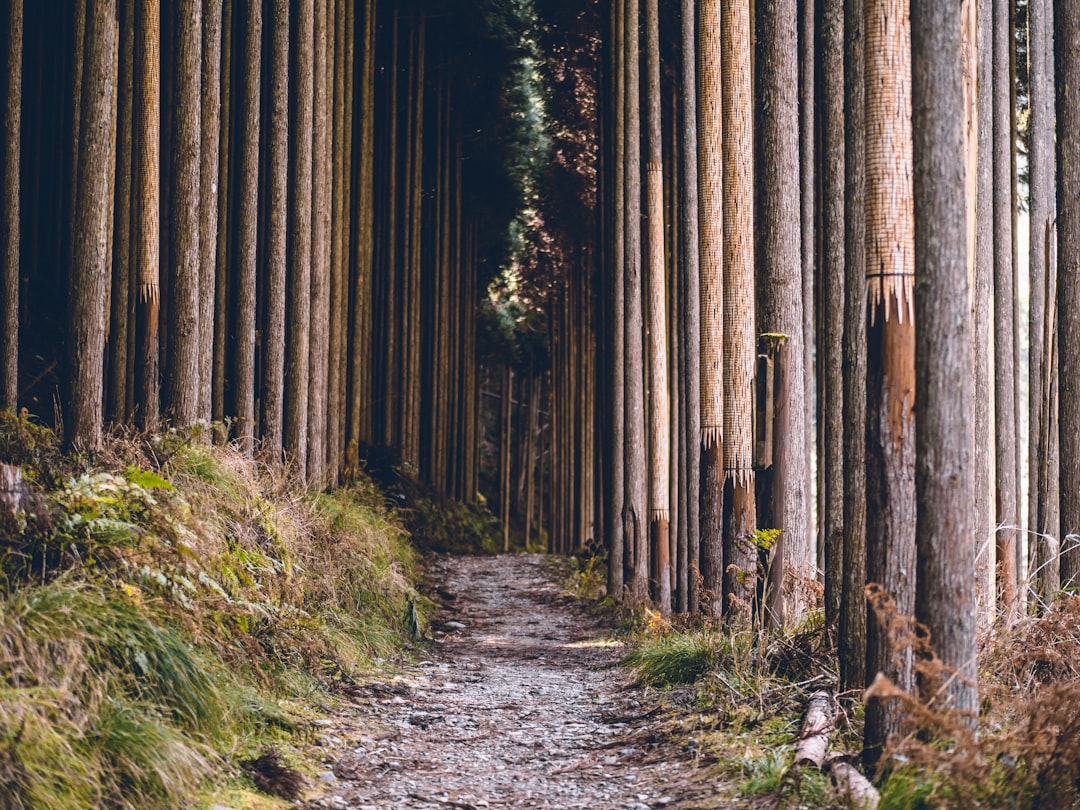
813,742
855,788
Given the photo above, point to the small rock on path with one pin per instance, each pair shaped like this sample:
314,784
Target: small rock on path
520,704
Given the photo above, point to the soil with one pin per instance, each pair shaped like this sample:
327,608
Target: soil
518,702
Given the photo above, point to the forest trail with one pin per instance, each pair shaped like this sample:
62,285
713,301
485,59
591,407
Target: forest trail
519,703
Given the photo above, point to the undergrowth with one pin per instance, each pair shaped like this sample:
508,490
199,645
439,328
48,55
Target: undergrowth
165,607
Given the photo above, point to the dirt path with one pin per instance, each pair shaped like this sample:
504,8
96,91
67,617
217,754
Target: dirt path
521,704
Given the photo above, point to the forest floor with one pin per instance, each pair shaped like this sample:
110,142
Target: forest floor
518,702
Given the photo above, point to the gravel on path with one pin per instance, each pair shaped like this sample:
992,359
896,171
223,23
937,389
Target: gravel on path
520,702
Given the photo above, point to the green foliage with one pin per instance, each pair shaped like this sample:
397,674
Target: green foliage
673,658
764,538
160,615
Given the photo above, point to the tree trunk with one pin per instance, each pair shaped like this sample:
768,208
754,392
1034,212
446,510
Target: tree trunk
1067,86
210,154
247,191
831,360
9,218
852,642
120,324
982,312
86,314
273,397
782,302
634,509
147,231
710,221
225,224
182,383
740,339
1004,386
890,485
809,128
320,286
945,599
659,402
505,436
690,318
297,372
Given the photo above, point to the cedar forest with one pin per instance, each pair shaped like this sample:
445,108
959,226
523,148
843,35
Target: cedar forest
768,311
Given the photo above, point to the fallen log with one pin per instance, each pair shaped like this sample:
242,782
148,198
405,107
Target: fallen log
855,789
813,742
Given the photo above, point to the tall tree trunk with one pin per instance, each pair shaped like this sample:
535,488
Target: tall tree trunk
147,231
9,219
982,311
86,313
182,383
740,356
247,191
616,423
1004,326
635,504
210,155
659,402
690,316
830,358
120,324
710,221
1067,87
777,72
273,397
335,405
890,267
297,372
809,128
320,287
945,600
853,611
225,222
505,437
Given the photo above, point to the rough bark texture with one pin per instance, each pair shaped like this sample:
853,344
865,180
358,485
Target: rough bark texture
146,230
659,400
852,642
711,224
830,359
182,384
690,320
1067,64
634,509
273,398
9,218
320,279
740,340
615,478
86,312
120,332
890,468
1004,326
300,215
982,314
945,599
247,221
210,156
779,232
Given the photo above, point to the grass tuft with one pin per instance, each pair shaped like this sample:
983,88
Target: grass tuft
673,658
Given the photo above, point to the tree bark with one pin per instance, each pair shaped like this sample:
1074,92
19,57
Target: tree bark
1067,87
10,218
690,320
740,339
853,608
121,325
711,224
1004,326
777,72
273,397
320,281
830,359
182,382
297,372
247,192
890,468
210,155
635,504
659,402
945,583
86,313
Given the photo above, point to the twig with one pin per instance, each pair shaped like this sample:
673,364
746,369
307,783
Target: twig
448,802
